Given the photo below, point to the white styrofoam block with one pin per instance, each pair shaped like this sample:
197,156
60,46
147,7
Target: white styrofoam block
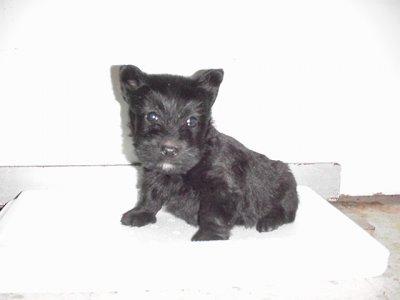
70,241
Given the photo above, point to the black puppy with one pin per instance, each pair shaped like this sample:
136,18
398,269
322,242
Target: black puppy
197,173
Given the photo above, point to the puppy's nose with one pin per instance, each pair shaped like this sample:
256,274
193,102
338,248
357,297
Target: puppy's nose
169,150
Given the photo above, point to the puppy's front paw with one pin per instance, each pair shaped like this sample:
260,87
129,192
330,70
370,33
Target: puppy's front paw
204,235
134,218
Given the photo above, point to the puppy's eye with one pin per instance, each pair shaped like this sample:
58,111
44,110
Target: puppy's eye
152,117
192,122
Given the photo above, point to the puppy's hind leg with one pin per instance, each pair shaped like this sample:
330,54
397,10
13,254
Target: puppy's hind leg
284,212
271,221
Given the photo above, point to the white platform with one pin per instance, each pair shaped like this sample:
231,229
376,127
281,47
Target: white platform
72,241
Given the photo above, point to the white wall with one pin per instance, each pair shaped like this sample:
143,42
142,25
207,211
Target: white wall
320,80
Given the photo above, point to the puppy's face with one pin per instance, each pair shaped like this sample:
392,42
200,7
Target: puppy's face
170,116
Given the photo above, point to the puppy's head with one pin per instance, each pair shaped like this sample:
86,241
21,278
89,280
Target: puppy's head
170,116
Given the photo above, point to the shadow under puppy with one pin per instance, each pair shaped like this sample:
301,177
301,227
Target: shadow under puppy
200,175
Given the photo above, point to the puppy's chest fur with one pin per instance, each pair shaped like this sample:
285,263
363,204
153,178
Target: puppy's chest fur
180,198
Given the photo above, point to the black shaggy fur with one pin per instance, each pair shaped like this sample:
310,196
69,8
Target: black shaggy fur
200,175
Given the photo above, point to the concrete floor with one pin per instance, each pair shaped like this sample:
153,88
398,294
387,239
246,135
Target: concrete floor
379,215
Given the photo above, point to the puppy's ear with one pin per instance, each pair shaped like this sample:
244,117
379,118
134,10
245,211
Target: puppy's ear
210,80
131,78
